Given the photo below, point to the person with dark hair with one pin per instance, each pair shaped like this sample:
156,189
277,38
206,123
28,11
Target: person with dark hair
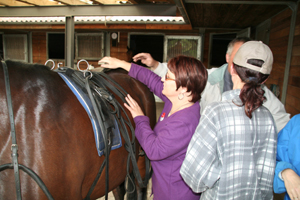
232,154
219,81
129,54
287,171
167,143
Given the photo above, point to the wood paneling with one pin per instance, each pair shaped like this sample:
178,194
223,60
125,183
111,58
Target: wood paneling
279,34
290,109
293,89
120,50
229,15
295,70
293,102
39,47
294,81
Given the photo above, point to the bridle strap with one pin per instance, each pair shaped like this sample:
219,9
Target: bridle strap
14,146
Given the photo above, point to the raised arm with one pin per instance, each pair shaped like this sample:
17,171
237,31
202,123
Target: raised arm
113,63
158,68
146,59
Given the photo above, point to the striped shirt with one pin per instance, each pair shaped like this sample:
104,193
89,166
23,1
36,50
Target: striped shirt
231,156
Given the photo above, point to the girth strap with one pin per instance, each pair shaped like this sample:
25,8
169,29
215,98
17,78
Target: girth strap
14,146
130,148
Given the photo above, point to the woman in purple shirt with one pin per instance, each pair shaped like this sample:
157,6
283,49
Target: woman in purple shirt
167,143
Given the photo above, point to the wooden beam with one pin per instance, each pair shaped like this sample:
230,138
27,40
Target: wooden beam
40,2
111,2
89,10
95,2
181,7
13,3
107,2
72,2
261,2
100,27
33,27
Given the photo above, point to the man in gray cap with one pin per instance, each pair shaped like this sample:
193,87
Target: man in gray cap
219,81
232,154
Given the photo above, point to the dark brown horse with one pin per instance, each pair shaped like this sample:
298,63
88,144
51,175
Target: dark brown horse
54,135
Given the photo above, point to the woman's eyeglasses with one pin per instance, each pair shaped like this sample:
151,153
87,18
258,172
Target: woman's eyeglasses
168,78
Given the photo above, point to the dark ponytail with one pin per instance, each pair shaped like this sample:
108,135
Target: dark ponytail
252,94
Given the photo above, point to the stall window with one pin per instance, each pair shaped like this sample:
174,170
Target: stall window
15,47
56,45
218,48
89,46
182,45
149,43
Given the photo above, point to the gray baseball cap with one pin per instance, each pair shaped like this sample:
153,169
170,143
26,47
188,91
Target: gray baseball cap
254,50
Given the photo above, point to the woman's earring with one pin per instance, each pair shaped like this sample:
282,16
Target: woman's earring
180,96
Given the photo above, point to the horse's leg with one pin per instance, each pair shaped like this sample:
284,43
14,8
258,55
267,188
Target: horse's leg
119,192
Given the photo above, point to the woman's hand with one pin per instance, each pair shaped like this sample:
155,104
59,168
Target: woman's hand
133,107
292,183
113,63
146,59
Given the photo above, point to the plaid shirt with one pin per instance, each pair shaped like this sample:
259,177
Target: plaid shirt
231,156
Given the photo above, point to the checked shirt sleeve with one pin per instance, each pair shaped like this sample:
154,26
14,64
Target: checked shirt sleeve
201,167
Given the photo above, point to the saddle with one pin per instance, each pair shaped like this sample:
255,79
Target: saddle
105,122
105,115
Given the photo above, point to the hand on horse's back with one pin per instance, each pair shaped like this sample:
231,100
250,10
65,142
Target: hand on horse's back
133,107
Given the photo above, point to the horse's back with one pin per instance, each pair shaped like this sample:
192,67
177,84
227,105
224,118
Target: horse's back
55,136
50,128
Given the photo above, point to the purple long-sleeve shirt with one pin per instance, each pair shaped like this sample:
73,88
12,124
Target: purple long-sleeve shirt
167,143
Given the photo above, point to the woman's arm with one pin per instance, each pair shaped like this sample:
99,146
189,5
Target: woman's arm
113,63
140,73
291,182
286,177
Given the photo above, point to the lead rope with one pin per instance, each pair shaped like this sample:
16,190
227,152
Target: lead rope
14,146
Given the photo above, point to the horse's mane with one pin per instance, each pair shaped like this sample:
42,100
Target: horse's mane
26,66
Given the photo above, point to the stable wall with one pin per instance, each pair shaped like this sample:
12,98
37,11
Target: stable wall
279,33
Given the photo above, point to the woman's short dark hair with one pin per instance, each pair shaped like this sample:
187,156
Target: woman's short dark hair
190,73
252,94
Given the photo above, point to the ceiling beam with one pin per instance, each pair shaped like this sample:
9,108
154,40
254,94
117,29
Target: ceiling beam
242,2
38,2
72,2
181,7
13,3
95,2
89,10
107,2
